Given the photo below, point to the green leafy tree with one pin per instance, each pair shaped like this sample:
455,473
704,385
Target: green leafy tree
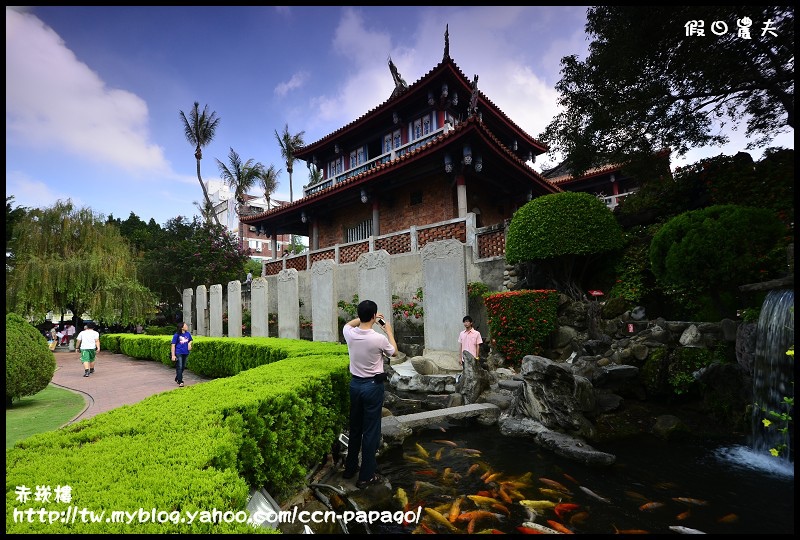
199,129
140,235
241,176
671,88
563,234
718,248
68,258
13,215
268,178
193,253
30,364
289,144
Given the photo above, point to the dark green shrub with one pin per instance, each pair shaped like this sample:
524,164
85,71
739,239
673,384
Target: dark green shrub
563,233
717,249
30,364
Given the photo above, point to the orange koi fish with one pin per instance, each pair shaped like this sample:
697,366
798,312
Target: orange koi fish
637,496
492,477
455,510
579,518
440,519
443,441
475,514
427,529
505,496
650,506
502,508
559,527
689,500
728,518
472,468
629,531
562,509
684,515
484,493
426,472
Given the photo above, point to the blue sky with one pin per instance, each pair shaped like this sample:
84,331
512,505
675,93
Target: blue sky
93,94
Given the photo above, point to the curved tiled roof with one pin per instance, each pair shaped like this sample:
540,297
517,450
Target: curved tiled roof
398,98
460,129
595,171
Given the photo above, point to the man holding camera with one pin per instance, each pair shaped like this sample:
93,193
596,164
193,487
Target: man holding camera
366,348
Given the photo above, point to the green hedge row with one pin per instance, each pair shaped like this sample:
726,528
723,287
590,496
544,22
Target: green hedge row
200,448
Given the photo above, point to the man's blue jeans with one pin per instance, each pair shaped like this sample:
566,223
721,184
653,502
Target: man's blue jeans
180,365
366,401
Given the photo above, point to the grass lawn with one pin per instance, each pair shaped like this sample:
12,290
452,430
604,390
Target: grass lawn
46,411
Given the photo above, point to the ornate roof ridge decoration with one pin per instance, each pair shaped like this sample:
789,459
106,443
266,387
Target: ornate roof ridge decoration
308,149
473,121
446,55
400,85
472,109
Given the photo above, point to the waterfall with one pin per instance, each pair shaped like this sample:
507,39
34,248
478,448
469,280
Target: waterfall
773,374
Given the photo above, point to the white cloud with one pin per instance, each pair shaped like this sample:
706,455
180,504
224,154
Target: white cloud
296,81
33,193
53,100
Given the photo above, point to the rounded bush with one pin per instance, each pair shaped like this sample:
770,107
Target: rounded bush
718,246
562,224
30,364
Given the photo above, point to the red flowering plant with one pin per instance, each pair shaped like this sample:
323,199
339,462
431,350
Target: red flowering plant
406,311
521,321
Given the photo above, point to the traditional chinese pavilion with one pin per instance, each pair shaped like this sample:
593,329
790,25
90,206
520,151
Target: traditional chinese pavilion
410,171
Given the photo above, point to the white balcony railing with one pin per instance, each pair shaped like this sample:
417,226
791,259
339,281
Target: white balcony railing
372,163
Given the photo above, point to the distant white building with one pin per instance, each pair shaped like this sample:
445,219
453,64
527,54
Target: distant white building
259,242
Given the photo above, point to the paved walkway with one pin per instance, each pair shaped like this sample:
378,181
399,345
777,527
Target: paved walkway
117,380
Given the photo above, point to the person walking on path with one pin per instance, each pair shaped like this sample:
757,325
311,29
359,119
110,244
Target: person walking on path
88,345
470,340
366,348
181,347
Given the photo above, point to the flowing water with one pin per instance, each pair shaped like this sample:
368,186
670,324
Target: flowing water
773,374
714,488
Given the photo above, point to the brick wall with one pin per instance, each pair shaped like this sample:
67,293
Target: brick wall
491,244
298,263
400,243
395,211
456,230
348,254
272,268
322,255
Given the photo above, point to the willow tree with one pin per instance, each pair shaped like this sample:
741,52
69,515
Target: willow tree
69,258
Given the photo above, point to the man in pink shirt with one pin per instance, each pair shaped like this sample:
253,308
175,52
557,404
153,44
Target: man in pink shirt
366,348
470,340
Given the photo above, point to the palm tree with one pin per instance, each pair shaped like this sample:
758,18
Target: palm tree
289,145
199,129
314,175
241,176
269,182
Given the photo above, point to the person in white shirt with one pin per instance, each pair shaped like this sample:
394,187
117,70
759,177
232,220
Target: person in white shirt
88,345
366,348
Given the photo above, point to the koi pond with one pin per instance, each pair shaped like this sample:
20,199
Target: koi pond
470,479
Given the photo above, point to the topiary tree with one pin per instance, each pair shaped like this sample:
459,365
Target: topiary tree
562,234
716,249
30,364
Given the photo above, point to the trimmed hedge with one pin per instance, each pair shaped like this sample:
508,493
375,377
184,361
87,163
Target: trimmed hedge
200,448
